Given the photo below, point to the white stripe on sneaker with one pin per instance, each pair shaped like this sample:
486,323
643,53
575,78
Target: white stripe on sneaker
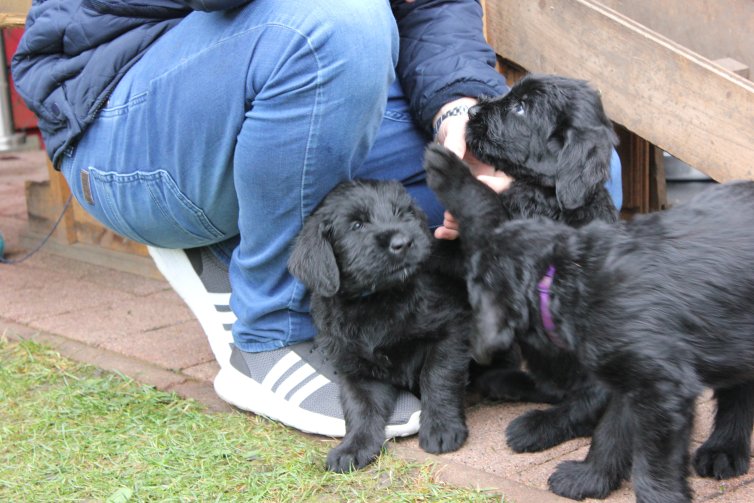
308,389
280,368
219,299
226,318
294,380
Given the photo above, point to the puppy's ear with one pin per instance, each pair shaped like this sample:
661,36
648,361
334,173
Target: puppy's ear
583,164
500,309
492,333
312,259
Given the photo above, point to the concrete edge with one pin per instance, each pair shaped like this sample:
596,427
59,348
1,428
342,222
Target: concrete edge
449,472
460,475
138,370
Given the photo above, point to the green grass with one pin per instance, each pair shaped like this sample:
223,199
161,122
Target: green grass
71,432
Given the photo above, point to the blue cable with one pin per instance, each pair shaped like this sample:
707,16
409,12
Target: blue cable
42,243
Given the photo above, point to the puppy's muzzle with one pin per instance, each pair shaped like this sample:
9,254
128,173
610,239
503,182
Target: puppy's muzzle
484,348
400,244
396,243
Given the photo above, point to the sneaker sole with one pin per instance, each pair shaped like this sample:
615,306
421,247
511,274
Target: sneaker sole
229,382
177,270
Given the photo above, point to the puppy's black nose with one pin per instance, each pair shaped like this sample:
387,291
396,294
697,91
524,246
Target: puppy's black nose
399,243
473,111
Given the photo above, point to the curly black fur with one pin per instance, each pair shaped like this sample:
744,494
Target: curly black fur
655,309
385,316
552,135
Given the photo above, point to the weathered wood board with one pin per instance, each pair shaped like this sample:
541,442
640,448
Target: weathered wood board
656,88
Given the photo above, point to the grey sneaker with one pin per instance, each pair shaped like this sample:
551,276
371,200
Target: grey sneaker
293,385
201,280
297,386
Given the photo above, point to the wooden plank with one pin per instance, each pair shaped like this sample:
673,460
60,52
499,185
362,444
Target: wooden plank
661,91
15,5
658,194
97,255
12,20
733,65
59,194
713,29
634,153
44,208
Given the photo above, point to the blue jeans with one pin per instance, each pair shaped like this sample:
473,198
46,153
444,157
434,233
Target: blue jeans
234,125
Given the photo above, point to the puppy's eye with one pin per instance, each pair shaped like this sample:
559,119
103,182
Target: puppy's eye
356,225
403,212
518,109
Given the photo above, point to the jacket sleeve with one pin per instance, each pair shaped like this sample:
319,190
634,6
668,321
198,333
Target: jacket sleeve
443,54
210,5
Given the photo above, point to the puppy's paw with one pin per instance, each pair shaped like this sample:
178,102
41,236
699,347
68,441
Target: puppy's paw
536,431
437,438
506,385
578,480
721,462
445,170
345,457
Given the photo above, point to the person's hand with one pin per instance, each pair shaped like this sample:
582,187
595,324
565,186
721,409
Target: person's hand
452,135
449,228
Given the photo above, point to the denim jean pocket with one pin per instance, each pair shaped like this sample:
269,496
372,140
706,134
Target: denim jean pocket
150,208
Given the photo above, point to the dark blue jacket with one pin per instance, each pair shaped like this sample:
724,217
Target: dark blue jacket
74,52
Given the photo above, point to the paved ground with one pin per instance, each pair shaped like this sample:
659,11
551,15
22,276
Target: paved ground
140,327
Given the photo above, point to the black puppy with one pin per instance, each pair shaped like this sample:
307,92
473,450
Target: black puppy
552,135
384,316
655,308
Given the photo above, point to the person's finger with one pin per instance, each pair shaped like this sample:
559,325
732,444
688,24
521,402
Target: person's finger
449,227
498,182
445,233
449,221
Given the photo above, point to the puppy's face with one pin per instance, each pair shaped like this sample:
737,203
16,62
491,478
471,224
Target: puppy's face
511,131
371,236
548,129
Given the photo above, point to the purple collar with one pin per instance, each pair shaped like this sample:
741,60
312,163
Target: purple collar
544,308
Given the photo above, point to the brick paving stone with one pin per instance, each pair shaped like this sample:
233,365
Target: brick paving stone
12,202
118,280
174,346
33,304
203,372
465,474
23,165
201,392
16,277
107,322
741,494
12,230
486,448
